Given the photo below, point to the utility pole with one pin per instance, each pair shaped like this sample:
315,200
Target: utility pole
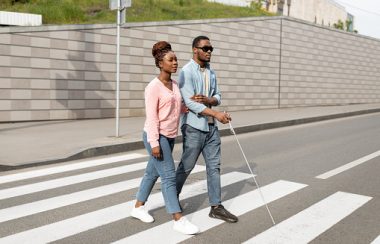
289,2
120,6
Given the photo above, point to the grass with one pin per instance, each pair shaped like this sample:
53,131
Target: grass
97,11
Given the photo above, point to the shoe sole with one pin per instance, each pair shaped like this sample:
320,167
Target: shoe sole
186,233
227,220
142,220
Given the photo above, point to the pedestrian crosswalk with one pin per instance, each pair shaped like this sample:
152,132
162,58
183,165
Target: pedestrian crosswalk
303,227
238,205
311,222
64,200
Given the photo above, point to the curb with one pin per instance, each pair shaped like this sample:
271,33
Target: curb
136,145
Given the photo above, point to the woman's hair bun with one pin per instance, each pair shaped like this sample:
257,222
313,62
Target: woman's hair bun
159,50
160,47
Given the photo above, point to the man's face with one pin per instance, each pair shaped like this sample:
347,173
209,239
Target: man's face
203,51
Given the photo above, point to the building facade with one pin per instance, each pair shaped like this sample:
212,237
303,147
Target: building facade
323,12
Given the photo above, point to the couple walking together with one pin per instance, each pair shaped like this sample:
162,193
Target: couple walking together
198,89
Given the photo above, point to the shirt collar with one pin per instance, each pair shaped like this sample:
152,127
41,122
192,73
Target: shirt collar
198,66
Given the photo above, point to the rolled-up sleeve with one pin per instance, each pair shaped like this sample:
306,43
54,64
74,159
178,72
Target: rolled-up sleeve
217,93
187,91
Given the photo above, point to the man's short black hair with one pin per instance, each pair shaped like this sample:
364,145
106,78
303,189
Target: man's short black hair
198,39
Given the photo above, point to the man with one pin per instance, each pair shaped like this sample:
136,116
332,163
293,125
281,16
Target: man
199,90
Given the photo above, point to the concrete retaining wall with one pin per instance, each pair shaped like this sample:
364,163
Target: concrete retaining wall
320,66
68,72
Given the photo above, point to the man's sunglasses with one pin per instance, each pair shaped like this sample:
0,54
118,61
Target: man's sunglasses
206,48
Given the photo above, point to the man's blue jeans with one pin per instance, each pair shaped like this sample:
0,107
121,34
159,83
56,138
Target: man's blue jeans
165,169
196,142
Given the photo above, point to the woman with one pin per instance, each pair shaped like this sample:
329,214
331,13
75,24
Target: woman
163,107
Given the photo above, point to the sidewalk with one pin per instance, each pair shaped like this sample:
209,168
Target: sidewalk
33,143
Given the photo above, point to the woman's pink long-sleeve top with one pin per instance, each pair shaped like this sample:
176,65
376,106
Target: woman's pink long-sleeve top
163,108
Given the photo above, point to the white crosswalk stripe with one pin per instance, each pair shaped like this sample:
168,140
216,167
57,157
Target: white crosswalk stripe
75,225
376,241
311,222
69,167
76,197
348,166
238,205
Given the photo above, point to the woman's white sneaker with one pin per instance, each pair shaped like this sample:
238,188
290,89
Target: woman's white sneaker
185,227
141,214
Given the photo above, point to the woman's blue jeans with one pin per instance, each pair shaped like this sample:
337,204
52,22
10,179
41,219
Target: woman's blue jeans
163,168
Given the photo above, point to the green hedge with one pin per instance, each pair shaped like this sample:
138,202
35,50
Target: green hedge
97,11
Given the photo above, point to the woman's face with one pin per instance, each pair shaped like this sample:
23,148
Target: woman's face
169,63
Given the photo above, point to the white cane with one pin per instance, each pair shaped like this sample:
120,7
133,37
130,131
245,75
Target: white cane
253,176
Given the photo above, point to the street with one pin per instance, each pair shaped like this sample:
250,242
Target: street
320,180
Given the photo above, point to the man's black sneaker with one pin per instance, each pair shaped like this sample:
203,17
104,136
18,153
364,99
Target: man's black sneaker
220,212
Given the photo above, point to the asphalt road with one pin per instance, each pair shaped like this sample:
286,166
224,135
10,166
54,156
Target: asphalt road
321,182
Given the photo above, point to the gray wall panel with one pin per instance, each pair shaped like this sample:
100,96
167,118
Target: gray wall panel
68,72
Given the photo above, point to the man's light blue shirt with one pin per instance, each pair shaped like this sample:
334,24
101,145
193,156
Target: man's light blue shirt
191,83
